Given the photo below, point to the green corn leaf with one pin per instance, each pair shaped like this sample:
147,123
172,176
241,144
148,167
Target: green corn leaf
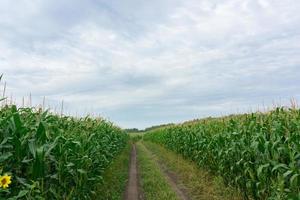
280,166
32,147
287,173
82,171
41,132
5,156
261,168
22,193
294,180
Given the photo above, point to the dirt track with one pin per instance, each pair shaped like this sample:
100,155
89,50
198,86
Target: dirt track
132,191
171,178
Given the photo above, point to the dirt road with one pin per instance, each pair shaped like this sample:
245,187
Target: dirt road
132,191
170,177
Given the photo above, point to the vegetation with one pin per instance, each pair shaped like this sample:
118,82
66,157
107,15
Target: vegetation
153,183
132,130
157,126
195,182
136,131
55,157
259,153
115,178
135,137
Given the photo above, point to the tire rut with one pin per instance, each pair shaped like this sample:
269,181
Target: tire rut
132,190
171,178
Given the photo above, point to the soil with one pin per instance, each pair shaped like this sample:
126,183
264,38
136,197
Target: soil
132,191
172,179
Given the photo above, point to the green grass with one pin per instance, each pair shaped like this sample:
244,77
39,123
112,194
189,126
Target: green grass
153,183
198,183
115,178
133,134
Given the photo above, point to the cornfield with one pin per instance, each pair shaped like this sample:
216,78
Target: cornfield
55,157
258,153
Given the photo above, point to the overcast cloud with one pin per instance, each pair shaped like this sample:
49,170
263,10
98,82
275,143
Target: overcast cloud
141,63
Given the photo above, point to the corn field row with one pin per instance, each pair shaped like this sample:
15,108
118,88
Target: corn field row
258,153
54,157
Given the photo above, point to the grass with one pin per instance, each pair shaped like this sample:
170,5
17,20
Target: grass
198,183
153,183
115,178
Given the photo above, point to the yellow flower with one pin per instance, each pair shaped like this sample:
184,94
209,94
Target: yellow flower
5,181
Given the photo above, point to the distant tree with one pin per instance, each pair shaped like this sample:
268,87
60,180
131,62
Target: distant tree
132,130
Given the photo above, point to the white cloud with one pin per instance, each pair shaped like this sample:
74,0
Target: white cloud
151,62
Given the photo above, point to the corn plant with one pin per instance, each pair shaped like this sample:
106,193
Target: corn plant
259,153
55,157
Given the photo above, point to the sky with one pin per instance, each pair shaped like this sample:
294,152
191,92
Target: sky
143,63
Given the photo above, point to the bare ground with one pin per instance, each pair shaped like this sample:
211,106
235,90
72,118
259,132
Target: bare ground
132,190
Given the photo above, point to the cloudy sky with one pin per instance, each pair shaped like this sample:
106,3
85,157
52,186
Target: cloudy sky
141,63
